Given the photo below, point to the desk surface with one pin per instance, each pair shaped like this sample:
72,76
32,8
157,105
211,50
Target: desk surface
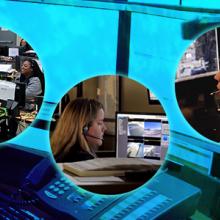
110,184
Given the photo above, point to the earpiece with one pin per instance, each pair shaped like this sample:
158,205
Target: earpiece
32,63
85,129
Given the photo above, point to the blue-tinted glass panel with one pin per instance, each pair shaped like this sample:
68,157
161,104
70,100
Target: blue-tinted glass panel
74,42
165,2
206,4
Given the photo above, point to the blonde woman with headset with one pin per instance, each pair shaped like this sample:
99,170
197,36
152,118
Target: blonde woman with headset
79,131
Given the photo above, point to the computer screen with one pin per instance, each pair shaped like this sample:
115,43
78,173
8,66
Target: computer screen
13,51
12,91
141,135
7,90
5,69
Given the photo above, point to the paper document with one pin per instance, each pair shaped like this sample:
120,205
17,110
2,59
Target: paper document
109,166
99,179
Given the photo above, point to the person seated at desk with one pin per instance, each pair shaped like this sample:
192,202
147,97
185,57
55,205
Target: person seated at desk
79,131
32,76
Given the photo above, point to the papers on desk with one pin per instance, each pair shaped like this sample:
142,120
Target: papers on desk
27,116
110,166
102,179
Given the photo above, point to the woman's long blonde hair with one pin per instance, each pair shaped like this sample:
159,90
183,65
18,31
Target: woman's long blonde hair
69,129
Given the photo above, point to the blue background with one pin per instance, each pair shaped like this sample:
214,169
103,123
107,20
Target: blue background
77,43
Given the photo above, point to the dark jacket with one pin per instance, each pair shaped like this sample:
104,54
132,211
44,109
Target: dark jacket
75,154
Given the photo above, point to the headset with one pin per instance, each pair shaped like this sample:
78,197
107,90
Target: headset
86,127
85,132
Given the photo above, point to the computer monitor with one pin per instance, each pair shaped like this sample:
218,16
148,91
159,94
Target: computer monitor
141,135
5,68
12,91
13,51
7,90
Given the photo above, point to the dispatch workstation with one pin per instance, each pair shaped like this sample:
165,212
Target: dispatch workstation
127,143
141,143
135,150
21,84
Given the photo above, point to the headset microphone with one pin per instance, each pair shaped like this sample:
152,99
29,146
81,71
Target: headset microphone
85,132
88,135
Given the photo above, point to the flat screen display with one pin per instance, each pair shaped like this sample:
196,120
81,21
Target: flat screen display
141,135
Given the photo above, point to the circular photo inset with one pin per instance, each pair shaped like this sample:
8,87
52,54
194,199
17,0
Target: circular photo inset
109,134
197,85
21,84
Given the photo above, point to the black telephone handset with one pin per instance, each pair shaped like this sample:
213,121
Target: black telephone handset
26,180
39,174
